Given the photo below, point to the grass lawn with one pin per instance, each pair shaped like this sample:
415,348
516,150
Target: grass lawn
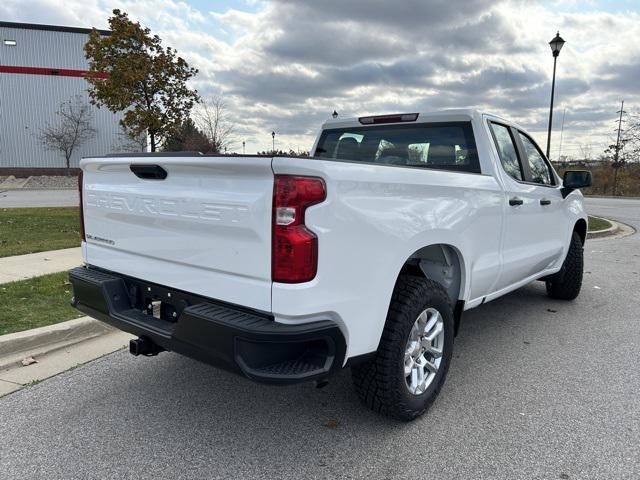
597,224
36,302
30,230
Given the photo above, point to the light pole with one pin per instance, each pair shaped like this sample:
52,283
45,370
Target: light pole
243,144
556,44
273,142
617,163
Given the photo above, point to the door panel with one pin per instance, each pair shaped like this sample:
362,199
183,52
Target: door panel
532,238
532,235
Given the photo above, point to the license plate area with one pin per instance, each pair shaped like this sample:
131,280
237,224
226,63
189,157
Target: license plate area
159,302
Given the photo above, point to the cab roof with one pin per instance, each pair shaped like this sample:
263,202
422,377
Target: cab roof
449,115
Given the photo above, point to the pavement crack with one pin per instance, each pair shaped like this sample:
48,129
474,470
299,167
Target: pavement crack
9,381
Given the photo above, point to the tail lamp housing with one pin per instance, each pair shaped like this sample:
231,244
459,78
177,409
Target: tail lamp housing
294,256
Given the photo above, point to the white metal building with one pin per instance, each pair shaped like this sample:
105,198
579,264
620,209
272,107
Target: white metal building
42,66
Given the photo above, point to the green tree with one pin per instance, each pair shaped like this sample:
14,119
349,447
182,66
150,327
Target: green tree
188,138
145,80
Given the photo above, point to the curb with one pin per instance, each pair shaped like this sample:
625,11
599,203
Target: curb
617,230
605,231
39,341
621,197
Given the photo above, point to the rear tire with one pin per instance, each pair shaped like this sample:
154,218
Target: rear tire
566,284
417,338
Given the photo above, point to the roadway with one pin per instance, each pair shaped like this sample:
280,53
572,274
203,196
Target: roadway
537,389
38,198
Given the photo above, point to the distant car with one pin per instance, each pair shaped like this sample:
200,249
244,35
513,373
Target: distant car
365,255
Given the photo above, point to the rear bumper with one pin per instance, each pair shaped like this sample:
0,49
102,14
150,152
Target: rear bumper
240,340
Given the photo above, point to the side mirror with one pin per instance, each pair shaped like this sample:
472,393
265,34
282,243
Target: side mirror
574,179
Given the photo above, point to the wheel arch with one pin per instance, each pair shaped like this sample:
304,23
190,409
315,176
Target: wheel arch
442,263
580,228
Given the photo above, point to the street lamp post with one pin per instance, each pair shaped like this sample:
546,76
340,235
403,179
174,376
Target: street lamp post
243,144
556,44
273,142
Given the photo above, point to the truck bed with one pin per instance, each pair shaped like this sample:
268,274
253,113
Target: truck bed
205,228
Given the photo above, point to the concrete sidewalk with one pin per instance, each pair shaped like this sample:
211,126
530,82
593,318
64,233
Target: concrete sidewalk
21,267
58,347
60,357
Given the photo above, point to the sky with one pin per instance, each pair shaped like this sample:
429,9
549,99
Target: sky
285,65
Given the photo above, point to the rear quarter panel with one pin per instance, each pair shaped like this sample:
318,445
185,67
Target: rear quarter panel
375,217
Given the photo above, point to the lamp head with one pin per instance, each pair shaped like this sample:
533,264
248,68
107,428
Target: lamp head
556,44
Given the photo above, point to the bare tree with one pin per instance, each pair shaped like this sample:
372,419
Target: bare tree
129,143
585,151
71,130
626,148
212,119
632,135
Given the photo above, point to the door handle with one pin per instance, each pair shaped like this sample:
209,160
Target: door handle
148,172
544,201
515,201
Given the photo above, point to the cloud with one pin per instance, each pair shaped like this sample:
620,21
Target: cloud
621,78
285,65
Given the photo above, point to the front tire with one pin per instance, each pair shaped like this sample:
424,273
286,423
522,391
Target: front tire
566,284
405,376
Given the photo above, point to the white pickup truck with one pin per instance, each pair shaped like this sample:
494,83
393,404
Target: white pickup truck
364,255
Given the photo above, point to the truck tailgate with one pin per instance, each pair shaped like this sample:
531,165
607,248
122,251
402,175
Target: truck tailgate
205,228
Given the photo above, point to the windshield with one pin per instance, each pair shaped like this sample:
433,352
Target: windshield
445,146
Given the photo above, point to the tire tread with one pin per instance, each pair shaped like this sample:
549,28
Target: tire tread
376,380
569,287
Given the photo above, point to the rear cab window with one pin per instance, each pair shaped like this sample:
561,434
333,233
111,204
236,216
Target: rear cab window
442,146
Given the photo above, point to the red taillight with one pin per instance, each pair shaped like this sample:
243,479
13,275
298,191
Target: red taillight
82,235
294,247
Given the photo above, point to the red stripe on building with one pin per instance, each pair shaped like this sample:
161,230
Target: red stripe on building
60,72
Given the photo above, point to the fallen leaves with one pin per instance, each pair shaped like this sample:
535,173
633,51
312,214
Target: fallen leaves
332,424
28,361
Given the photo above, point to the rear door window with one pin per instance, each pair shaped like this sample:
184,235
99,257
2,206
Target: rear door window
540,170
507,151
444,146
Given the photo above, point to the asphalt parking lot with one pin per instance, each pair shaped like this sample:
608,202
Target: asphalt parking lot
537,389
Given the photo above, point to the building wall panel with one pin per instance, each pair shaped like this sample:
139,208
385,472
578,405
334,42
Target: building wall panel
40,48
28,103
